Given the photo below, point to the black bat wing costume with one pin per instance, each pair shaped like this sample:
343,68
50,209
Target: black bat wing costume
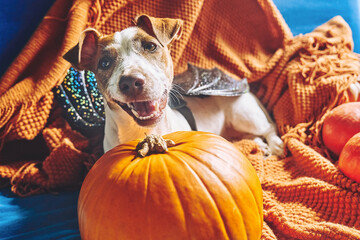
204,82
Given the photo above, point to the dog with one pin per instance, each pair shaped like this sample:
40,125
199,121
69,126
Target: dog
134,71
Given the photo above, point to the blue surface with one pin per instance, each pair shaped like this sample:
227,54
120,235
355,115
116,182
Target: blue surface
48,216
40,217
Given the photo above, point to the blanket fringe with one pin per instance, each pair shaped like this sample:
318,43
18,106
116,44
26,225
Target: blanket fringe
323,65
322,58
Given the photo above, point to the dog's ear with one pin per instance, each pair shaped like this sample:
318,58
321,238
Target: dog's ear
83,54
165,30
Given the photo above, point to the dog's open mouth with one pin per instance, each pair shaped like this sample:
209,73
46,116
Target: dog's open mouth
145,113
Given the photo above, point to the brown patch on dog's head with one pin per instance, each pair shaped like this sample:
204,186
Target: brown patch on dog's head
108,56
123,60
165,30
81,56
88,54
84,54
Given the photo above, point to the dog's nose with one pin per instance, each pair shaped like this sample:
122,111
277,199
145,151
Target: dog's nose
131,84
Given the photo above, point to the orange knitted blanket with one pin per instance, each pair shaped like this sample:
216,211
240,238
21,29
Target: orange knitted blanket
299,79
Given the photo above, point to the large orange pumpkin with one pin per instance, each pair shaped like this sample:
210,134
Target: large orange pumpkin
201,188
340,125
349,160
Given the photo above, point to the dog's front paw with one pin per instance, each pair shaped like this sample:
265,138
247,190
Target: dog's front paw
276,145
263,146
354,91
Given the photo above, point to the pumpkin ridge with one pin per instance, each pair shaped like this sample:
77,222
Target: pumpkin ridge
233,167
177,193
101,214
242,173
247,185
225,185
131,165
147,172
211,196
103,161
213,138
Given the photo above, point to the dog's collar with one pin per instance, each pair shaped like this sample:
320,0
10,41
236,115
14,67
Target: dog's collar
202,83
179,104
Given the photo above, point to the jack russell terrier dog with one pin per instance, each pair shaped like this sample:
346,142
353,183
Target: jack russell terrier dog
134,71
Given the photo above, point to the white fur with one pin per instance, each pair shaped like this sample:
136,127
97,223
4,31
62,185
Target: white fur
134,64
121,128
213,114
355,90
243,115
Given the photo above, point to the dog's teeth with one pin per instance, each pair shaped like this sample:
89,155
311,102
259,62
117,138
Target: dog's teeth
147,117
157,106
135,113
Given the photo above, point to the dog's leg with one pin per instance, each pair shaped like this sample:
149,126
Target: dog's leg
260,142
247,115
354,90
111,138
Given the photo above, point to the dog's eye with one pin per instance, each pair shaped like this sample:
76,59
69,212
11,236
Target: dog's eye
149,46
105,63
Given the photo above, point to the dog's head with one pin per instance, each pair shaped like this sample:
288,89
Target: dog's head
133,67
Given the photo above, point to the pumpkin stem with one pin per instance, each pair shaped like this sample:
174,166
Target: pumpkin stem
153,144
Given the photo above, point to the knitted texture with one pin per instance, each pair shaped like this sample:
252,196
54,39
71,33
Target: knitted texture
299,80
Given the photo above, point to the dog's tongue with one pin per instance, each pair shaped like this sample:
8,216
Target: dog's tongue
145,108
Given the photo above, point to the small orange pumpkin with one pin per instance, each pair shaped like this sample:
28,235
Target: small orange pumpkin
349,160
340,125
201,188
